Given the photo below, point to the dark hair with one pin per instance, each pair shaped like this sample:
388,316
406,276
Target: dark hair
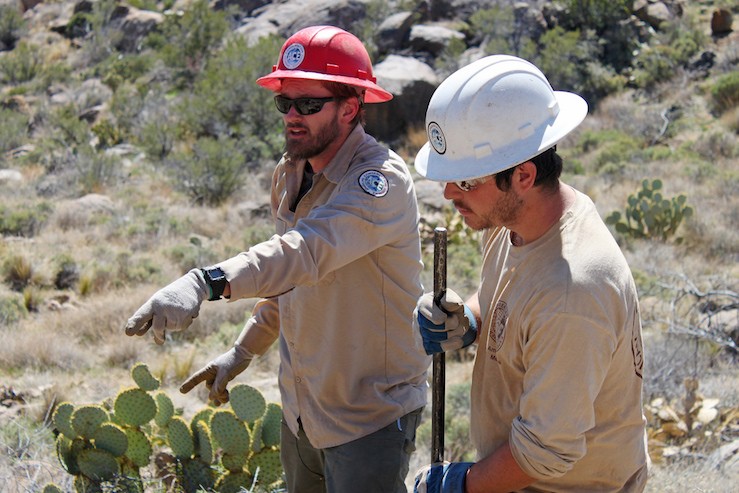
344,91
548,169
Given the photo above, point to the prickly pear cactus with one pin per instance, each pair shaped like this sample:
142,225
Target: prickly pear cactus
107,446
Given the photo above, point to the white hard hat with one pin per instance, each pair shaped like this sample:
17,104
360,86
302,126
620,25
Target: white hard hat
491,115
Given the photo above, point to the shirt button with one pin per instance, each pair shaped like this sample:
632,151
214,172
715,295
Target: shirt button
297,379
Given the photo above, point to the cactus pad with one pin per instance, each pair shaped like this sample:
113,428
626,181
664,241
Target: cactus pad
256,435
180,438
139,448
143,377
247,402
87,419
234,463
266,466
203,415
62,419
52,488
234,482
165,409
97,464
67,455
203,442
272,425
197,476
230,432
135,406
111,438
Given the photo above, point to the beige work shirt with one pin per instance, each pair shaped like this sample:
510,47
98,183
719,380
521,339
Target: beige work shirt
342,277
558,370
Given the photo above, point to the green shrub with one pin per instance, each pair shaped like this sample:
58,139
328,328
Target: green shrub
13,131
187,41
22,64
12,310
650,215
24,222
598,15
226,101
211,172
17,272
725,92
12,25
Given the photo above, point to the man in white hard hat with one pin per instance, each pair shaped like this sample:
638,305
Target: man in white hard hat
556,395
339,281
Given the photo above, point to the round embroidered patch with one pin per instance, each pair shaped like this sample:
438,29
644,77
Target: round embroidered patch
436,138
293,56
374,183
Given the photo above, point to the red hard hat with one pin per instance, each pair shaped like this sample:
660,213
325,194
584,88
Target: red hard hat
326,53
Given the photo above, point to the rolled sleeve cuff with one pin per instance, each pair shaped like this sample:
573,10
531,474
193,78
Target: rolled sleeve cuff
240,277
533,457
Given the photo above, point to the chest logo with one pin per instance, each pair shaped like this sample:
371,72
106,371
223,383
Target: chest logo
496,333
374,183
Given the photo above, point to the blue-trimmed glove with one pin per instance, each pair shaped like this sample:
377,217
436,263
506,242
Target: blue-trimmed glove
444,477
447,327
172,308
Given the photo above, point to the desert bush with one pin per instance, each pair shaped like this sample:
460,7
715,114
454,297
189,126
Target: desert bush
185,42
95,170
22,64
26,221
67,272
725,92
211,172
12,310
119,68
17,272
12,25
598,15
13,131
650,215
226,102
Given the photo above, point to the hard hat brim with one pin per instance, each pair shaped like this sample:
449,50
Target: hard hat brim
373,92
442,167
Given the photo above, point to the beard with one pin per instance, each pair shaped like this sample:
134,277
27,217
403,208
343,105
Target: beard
312,143
505,211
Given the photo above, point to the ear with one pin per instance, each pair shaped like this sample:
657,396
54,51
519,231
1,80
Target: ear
349,109
524,176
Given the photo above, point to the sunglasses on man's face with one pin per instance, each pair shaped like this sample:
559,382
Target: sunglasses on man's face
304,106
469,185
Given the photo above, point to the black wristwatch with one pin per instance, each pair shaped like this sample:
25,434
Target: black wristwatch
216,281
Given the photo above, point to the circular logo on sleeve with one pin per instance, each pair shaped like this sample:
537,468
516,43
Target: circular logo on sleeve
436,138
293,56
374,183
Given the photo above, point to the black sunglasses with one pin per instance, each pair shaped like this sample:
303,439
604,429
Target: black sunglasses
304,106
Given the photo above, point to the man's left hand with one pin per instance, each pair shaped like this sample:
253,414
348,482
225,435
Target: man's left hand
442,477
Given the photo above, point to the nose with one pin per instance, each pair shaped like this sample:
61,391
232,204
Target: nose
451,190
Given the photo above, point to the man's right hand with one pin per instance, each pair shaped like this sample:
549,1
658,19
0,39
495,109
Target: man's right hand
218,373
446,326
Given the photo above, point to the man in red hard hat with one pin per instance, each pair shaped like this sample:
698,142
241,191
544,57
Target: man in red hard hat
339,281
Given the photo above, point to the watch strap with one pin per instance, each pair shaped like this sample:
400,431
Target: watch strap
216,281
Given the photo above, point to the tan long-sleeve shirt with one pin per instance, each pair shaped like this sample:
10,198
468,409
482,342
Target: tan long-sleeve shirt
558,370
342,276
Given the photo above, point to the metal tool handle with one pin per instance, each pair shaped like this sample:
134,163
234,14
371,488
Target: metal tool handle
439,377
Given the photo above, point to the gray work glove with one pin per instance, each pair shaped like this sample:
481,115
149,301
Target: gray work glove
447,326
172,308
218,373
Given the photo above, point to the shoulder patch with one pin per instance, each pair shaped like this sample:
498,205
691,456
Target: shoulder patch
374,183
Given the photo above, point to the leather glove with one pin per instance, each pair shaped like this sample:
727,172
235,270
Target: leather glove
171,308
442,477
447,327
218,373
